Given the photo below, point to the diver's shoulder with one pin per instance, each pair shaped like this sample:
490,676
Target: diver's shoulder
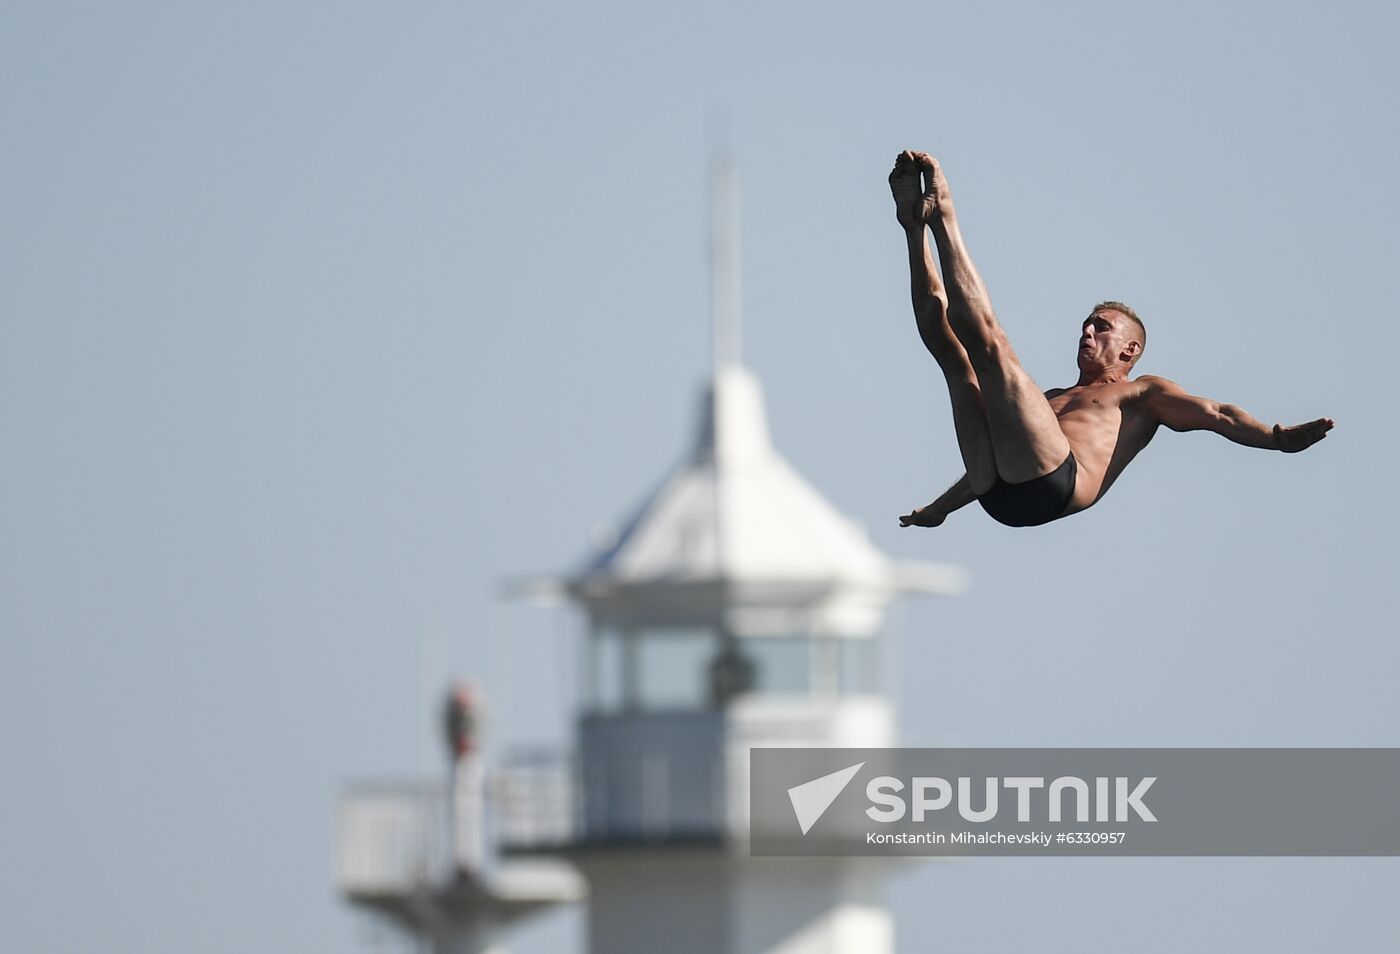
1146,385
1155,381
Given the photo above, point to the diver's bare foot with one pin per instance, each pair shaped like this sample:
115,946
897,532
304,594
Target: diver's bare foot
929,516
911,206
937,199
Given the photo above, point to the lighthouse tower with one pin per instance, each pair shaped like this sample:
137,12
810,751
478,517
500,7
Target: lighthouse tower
736,609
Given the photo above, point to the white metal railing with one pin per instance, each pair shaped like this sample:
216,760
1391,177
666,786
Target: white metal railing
397,837
646,777
534,799
393,838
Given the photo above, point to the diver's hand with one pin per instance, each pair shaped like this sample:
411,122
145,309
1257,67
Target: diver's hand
930,516
1291,440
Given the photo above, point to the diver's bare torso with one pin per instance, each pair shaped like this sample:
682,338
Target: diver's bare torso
1106,426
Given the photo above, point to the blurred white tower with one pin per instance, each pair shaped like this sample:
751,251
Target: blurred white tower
737,609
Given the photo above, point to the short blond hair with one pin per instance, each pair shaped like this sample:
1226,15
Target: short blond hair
1128,313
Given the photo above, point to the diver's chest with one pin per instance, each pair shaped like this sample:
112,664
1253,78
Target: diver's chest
1085,404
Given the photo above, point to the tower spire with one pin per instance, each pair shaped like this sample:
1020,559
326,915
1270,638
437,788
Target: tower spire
724,263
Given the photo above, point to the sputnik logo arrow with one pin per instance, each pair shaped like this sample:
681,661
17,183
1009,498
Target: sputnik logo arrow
810,800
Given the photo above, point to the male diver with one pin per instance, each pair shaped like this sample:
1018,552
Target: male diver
1034,457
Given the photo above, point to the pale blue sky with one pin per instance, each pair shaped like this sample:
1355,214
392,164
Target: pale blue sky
318,321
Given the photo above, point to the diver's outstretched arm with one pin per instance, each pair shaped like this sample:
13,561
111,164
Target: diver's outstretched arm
1180,410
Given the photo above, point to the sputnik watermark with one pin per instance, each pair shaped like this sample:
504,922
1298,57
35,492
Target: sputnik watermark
810,800
890,807
1075,801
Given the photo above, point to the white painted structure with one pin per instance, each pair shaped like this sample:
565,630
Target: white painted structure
737,609
419,855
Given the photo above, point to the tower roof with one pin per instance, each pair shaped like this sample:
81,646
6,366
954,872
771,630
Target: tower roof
735,530
737,511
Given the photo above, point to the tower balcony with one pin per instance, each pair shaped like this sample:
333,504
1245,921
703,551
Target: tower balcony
395,856
668,778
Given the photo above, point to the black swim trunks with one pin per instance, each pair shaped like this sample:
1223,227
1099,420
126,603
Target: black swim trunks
1033,502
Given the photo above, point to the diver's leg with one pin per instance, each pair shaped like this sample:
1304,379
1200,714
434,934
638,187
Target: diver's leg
1025,435
930,302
